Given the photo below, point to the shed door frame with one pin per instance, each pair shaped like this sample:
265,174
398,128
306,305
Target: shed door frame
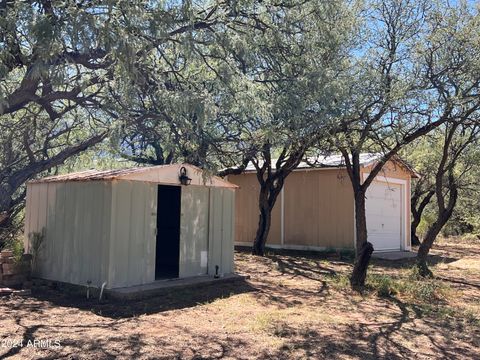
405,223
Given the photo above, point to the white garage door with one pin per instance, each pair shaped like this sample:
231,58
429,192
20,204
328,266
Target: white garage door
384,215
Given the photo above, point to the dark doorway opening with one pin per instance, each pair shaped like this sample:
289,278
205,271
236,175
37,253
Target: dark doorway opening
168,232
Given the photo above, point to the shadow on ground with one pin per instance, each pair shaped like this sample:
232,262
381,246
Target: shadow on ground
286,292
391,339
433,260
171,299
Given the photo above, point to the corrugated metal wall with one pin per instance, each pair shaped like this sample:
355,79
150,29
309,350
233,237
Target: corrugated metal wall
105,231
194,231
319,209
133,240
222,230
75,247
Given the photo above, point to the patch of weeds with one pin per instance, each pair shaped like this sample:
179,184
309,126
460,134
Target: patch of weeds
338,281
437,311
449,313
424,290
414,274
383,285
413,287
472,318
325,263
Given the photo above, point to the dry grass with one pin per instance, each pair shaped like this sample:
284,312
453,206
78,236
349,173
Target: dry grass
292,307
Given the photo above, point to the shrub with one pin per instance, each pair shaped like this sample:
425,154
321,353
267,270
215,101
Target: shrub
36,240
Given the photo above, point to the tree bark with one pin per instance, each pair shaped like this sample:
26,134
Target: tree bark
425,247
360,221
267,199
359,274
432,234
417,213
444,179
264,221
272,180
364,249
413,236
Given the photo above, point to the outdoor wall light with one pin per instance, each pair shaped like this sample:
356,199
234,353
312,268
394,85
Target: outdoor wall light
184,179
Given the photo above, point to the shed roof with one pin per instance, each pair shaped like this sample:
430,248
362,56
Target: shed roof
337,161
164,174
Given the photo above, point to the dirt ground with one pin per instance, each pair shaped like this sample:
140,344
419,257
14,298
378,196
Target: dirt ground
292,307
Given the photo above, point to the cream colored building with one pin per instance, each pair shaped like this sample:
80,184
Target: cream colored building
315,210
130,227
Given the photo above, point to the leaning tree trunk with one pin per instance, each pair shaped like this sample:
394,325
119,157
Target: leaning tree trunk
359,274
417,212
267,198
443,216
364,249
264,221
425,247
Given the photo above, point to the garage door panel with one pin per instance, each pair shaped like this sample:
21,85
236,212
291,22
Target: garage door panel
384,215
379,223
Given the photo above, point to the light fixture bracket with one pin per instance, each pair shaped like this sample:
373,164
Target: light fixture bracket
183,177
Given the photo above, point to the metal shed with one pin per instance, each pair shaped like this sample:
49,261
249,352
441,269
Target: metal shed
130,227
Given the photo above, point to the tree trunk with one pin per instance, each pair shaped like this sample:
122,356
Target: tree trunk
414,238
425,247
417,212
432,234
416,218
359,274
267,198
360,220
264,221
364,249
